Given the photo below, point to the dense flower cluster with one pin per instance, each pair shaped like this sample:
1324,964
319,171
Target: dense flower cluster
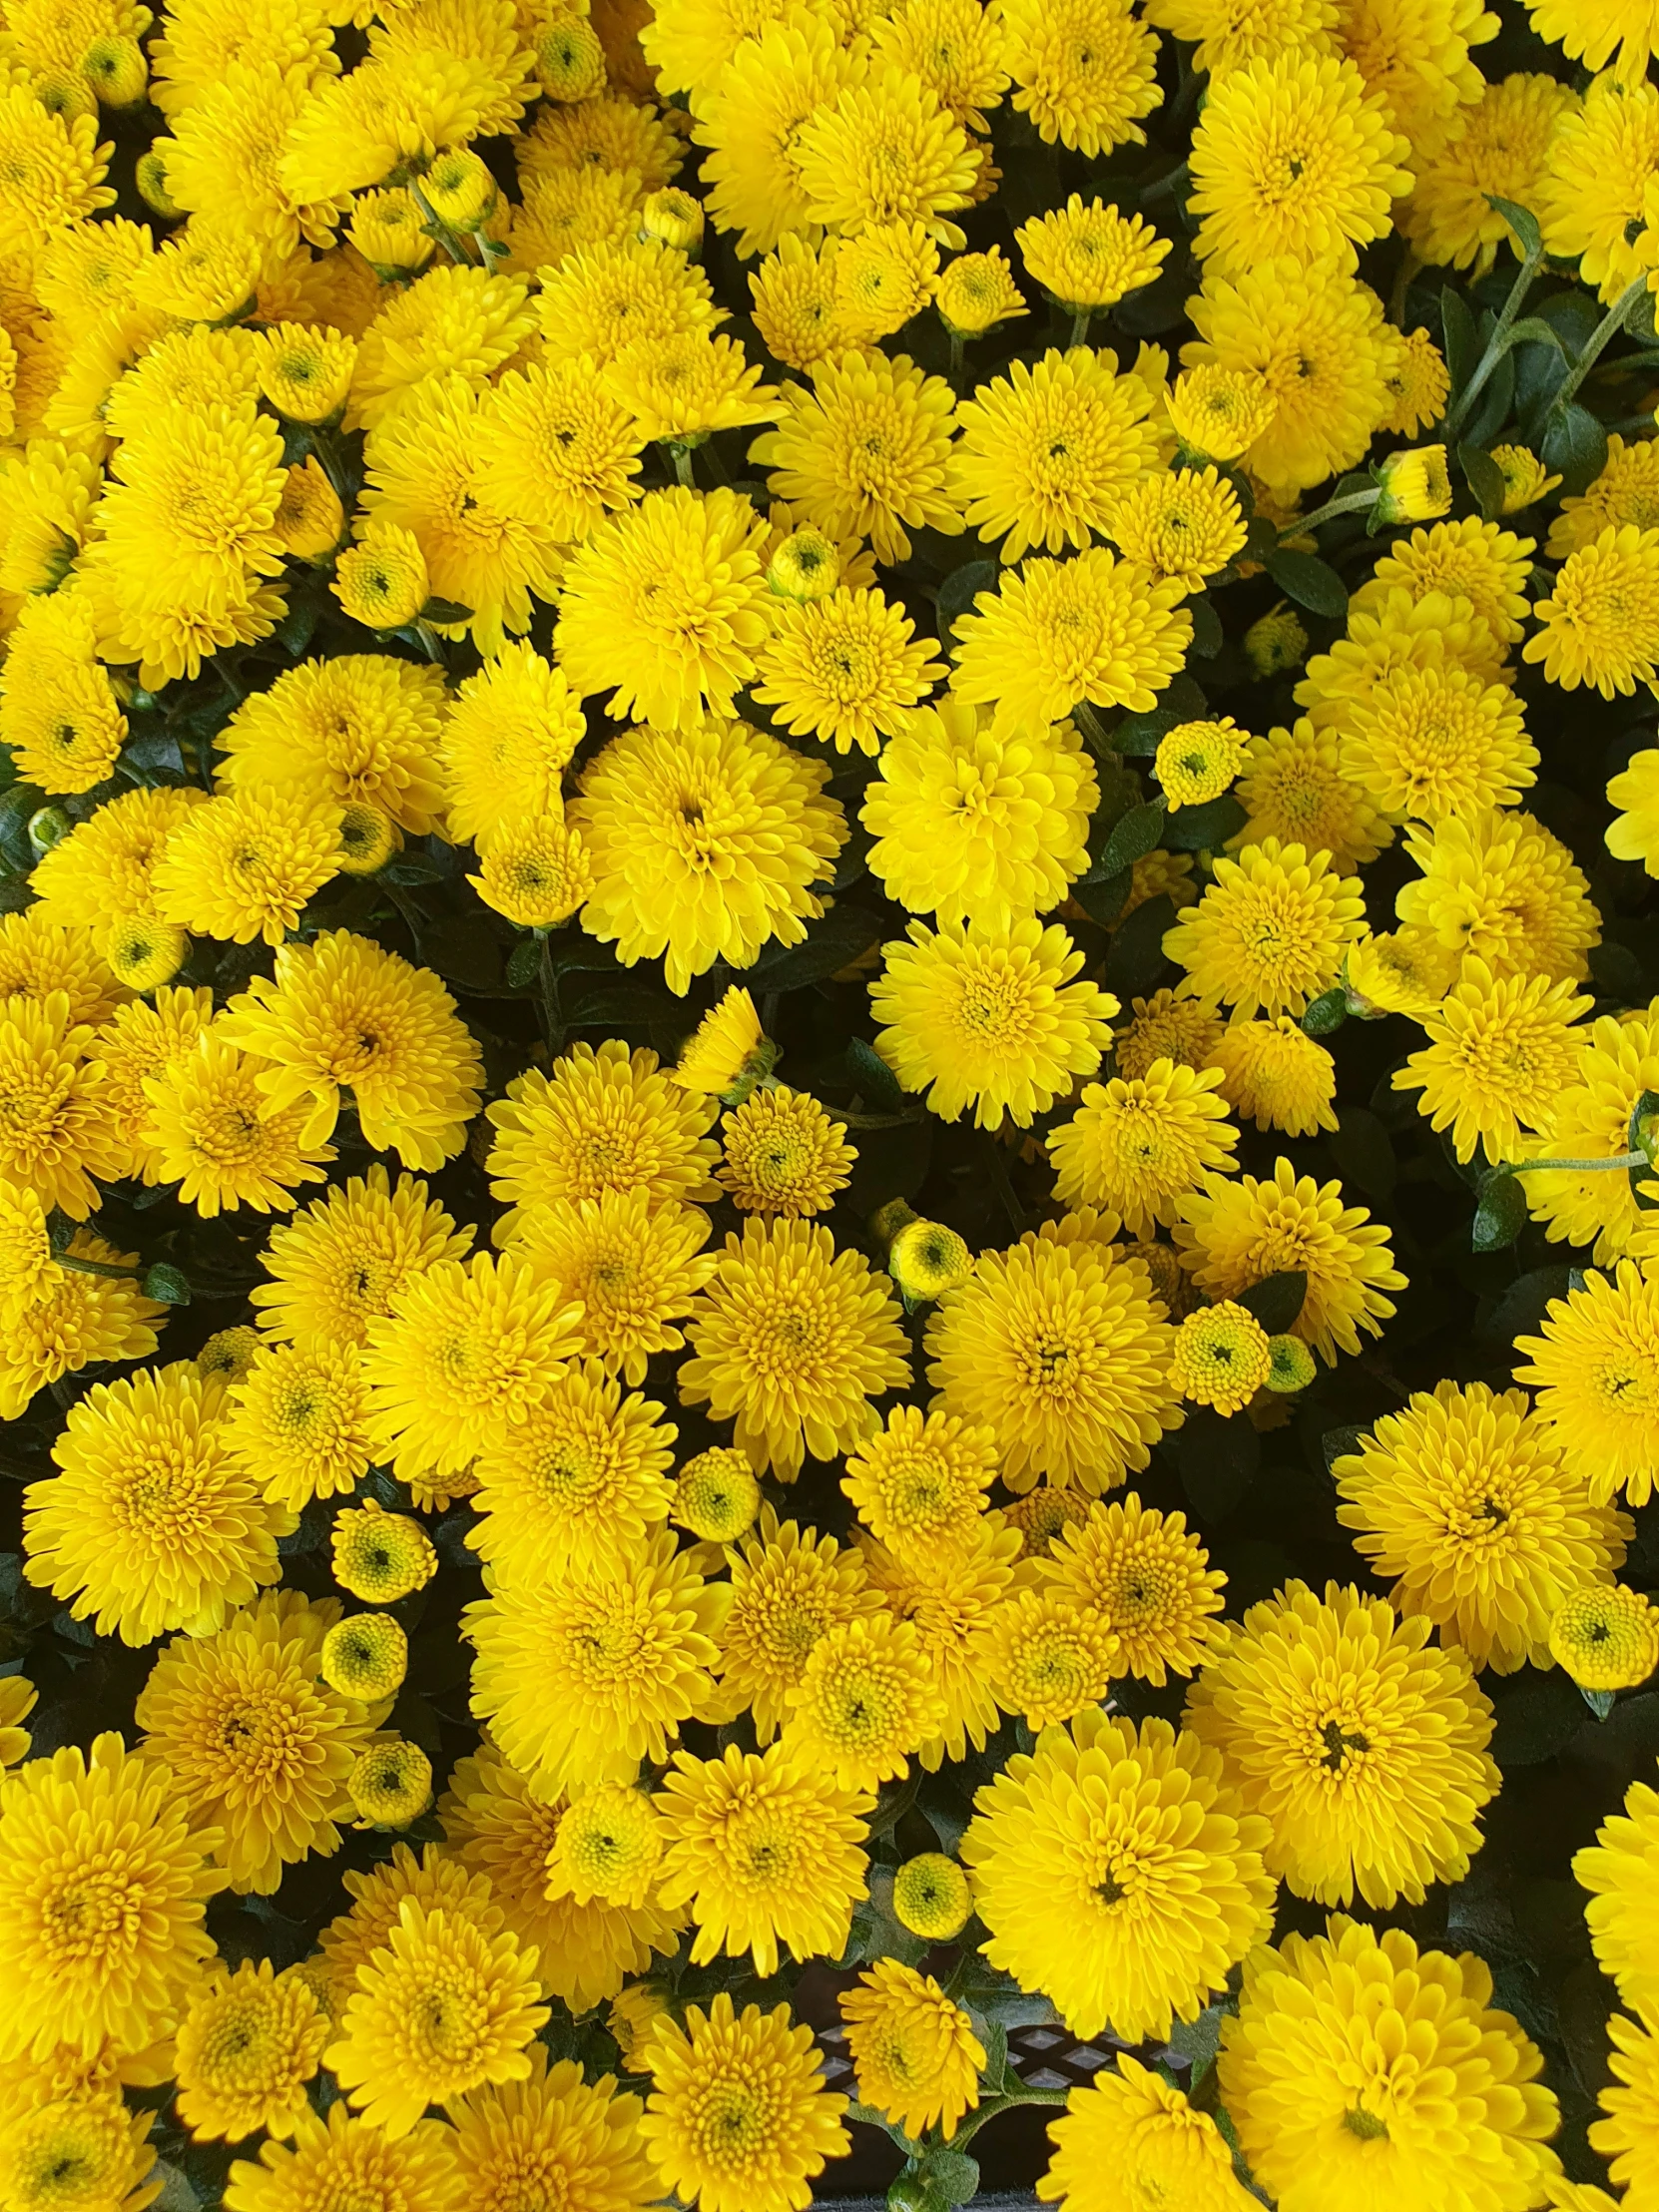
828,1097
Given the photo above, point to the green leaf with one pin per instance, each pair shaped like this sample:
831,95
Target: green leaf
444,610
1133,837
1310,582
1485,480
1521,222
1103,902
166,1284
1208,635
1537,1715
871,1078
1364,1153
1181,701
1600,1702
1135,957
1199,2040
833,942
1218,1460
1457,329
1276,1300
958,593
1204,828
1641,1179
1574,445
1532,330
1500,1215
1327,1013
954,2174
524,963
1521,1309
1341,1444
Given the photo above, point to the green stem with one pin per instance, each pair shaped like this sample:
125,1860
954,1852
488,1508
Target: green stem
994,2107
1409,267
1080,320
1611,324
453,246
958,360
1354,503
1170,182
1003,1183
1626,1161
324,451
97,1267
1494,346
682,466
1091,725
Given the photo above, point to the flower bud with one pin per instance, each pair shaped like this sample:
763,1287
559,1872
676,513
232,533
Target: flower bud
47,825
570,62
116,71
391,1783
717,1496
150,174
64,93
382,581
1413,486
805,566
931,1898
459,190
144,953
367,838
1276,642
672,217
1290,1364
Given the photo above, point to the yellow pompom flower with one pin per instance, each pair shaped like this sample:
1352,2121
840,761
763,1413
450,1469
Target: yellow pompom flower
390,1784
149,1524
931,1898
632,1269
678,390
1360,2068
1605,1636
1628,2137
1466,1501
766,1853
1437,741
380,1556
341,1013
577,1483
1217,413
1118,1874
1084,71
925,1259
996,1019
361,727
975,292
1363,1744
1418,384
705,843
1057,633
305,373
382,581
1087,256
921,1480
883,277
738,2119
144,954
68,1118
1276,641
1277,1074
1601,621
804,566
913,2050
883,152
1633,835
536,874
71,1319
1413,486
365,1657
336,1267
1627,490
1293,155
867,453
580,1680
507,736
1221,1357
1147,1577
87,1971
82,2148
1270,932
551,2133
211,1128
1048,452
608,1845
783,1154
52,168
249,2044
868,1698
443,2010
59,712
605,1120
1063,1351
791,1340
1496,148
1182,524
1471,560
1135,1147
974,823
1134,2134
1046,1660
1595,1371
716,1496
1618,1872
344,2158
1499,1054
845,669
297,1422
1231,1235
244,864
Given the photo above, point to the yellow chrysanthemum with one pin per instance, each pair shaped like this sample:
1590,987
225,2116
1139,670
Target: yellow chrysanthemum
1359,2066
1135,2134
913,2050
716,1496
1270,932
507,736
866,1699
249,2044
1626,490
846,669
1618,1059
344,2159
706,841
1277,1074
1183,524
82,2148
1118,1874
789,1586
975,292
931,1896
337,1266
1054,634
365,1657
608,1845
1601,621
605,1120
1606,1637
59,712
1435,742
634,1270
1137,1146
245,865
67,1320
1221,1359
1234,1234
361,727
1063,1350
1164,1027
1362,1744
921,1480
1505,888
1495,148
379,1556
208,1128
1147,1577
885,151
1595,1369
1048,1661
297,1422
551,2135
793,1338
782,1154
1499,1054
1084,71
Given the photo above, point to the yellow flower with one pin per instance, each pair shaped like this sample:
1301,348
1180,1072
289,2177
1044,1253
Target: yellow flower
1437,741
1359,2064
1595,1369
297,1422
58,709
1133,2134
1047,453
1628,2138
931,1898
765,1850
1063,1350
1365,1744
1634,834
845,669
1413,486
105,862
605,1119
1087,256
1048,1661
913,2050
797,304
443,2010
726,1053
53,169
1277,640
793,1338
212,1131
883,152
1231,1235
950,1594
361,728
144,954
680,389
1601,621
509,734
580,1680
1293,155
82,2148
867,452
804,566
925,1259
536,874
1618,1872
344,2158
1418,384
1135,1147
244,864
380,1556
633,1268
382,581
342,1013
17,1701
91,1964
1118,1874
1057,633
249,2044
1221,1357
956,48
551,2133
1525,479
365,1657
920,1482
1164,1027
71,1319
738,2119
1275,1073
1270,932
1183,524
705,843
993,1019
717,1497
605,298
1627,490
789,1586
337,1266
1505,888
1226,38
784,1155
465,1353
459,190
975,292
1319,342
1147,1577
1466,1500
305,373
1218,412
1481,562
149,1526
883,276
608,1845
1617,34
1084,71
866,1700
390,1784
1499,1054
1605,1636
1495,148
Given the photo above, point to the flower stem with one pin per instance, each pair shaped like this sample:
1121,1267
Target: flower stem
1354,503
97,1267
994,2107
1625,1160
683,466
1081,319
1495,346
1611,324
958,360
